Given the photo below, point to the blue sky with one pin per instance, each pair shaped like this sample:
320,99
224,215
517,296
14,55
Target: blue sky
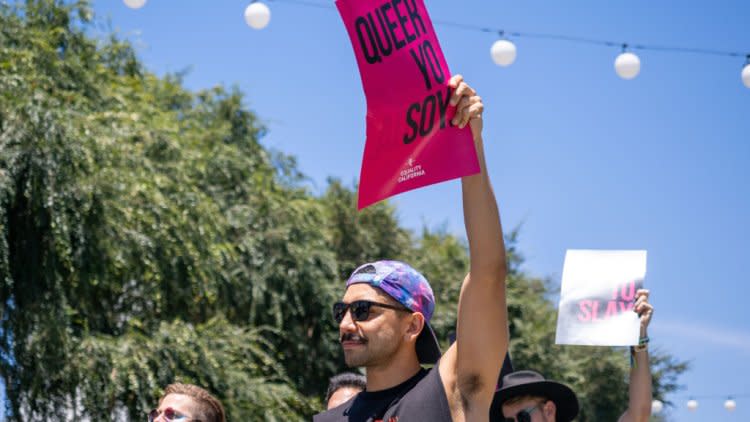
578,157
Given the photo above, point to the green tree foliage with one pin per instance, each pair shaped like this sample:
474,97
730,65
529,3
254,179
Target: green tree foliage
361,236
147,237
128,201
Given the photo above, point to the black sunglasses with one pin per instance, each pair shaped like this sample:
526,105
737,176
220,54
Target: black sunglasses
360,309
523,415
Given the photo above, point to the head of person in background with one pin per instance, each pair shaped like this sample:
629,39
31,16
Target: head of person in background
526,396
187,403
343,387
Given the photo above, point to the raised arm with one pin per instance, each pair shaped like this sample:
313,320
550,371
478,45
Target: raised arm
639,404
471,366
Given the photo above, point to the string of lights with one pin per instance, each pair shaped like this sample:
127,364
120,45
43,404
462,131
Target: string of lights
503,51
582,40
692,404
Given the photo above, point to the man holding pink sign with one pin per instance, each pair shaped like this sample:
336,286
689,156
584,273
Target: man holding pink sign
385,311
423,127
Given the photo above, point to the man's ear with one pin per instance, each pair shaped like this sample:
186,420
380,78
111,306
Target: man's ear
416,325
550,410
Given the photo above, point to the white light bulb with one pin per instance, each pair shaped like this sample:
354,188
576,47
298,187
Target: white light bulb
656,407
503,53
746,75
692,405
257,15
627,65
135,4
730,404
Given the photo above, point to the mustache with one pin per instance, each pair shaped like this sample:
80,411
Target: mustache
352,337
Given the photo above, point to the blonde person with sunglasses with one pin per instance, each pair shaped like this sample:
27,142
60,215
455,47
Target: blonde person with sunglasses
187,403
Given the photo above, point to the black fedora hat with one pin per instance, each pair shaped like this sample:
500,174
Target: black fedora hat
531,383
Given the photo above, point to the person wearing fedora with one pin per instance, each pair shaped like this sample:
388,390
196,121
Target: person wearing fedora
384,317
526,396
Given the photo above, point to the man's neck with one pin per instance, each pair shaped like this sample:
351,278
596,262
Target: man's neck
392,374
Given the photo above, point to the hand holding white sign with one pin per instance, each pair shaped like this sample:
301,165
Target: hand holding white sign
644,309
598,297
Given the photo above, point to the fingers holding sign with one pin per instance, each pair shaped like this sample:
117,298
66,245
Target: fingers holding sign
468,104
643,308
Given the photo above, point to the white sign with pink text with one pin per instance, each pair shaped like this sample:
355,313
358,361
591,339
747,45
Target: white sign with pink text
597,297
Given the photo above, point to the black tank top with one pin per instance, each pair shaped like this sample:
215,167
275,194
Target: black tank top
420,398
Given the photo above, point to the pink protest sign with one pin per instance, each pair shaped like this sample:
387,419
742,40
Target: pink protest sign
410,140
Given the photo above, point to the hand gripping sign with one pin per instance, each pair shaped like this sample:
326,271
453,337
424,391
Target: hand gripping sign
410,140
597,298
